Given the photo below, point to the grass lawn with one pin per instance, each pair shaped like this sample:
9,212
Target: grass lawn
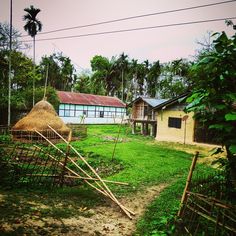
140,161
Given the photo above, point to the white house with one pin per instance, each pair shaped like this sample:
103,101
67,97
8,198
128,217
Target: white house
76,108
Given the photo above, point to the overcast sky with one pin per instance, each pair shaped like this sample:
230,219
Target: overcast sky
164,44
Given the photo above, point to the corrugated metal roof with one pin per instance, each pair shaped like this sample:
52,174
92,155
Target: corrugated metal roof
89,99
172,101
153,101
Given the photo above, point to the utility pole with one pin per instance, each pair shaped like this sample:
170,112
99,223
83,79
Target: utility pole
122,80
9,75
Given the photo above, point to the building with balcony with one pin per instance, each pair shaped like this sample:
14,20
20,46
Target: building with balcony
143,115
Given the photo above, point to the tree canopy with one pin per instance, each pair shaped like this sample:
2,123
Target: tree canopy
213,97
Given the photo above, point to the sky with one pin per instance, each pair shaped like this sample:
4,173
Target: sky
162,43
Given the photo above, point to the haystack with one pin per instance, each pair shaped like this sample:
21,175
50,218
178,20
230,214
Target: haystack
40,116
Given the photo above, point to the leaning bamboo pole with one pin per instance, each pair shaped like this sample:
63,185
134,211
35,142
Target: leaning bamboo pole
73,172
66,159
77,175
184,196
105,191
125,210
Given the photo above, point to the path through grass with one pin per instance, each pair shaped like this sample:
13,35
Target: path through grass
144,163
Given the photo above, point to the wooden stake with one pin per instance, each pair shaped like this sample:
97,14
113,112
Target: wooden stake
183,199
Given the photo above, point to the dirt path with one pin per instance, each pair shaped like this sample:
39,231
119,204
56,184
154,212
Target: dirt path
106,220
110,221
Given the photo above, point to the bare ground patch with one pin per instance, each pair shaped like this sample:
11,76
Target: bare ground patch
103,220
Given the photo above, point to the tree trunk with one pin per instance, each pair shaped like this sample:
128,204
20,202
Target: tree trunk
34,71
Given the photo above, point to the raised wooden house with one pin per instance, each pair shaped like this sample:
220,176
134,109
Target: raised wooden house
144,115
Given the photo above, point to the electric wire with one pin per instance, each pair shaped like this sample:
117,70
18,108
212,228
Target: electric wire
132,29
135,17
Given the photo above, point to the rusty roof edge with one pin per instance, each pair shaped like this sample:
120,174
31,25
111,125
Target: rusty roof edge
69,94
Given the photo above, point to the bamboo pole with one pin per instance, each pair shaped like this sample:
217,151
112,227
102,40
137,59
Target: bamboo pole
106,192
126,211
117,138
208,200
71,161
184,196
212,219
99,190
102,191
66,158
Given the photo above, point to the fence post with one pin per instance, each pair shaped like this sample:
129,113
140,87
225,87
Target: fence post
184,196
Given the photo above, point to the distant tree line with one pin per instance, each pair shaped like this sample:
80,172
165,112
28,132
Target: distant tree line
127,78
119,76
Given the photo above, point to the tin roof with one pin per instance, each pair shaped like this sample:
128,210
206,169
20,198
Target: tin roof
172,101
151,101
89,99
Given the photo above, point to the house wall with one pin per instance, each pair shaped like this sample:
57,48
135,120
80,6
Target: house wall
141,111
166,133
75,114
138,110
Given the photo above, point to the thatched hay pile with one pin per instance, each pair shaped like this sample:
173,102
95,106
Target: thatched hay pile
41,115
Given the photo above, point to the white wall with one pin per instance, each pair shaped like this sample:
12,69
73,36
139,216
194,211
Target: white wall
87,120
73,114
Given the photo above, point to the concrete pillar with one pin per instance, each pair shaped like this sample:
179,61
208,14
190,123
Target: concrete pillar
152,130
134,128
145,129
142,128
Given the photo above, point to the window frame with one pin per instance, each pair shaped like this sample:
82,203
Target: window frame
175,122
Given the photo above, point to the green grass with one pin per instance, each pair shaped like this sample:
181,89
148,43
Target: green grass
138,160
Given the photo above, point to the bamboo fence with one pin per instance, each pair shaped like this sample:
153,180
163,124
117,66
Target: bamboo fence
206,208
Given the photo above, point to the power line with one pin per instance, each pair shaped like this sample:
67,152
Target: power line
133,29
135,17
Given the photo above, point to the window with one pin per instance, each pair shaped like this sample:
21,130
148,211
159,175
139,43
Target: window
101,114
174,122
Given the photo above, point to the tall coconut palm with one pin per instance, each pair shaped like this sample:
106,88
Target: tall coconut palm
122,63
32,27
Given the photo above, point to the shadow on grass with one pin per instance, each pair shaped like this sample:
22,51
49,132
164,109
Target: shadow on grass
41,212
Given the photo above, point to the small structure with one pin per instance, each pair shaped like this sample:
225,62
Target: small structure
76,108
173,123
143,114
38,119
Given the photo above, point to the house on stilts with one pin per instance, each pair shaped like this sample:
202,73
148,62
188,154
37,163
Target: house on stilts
143,114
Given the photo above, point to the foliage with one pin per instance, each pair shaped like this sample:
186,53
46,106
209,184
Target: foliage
22,75
127,78
84,84
175,78
60,71
5,37
5,139
105,74
33,25
214,96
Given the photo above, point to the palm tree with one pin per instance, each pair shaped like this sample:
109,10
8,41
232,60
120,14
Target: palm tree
122,63
32,27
